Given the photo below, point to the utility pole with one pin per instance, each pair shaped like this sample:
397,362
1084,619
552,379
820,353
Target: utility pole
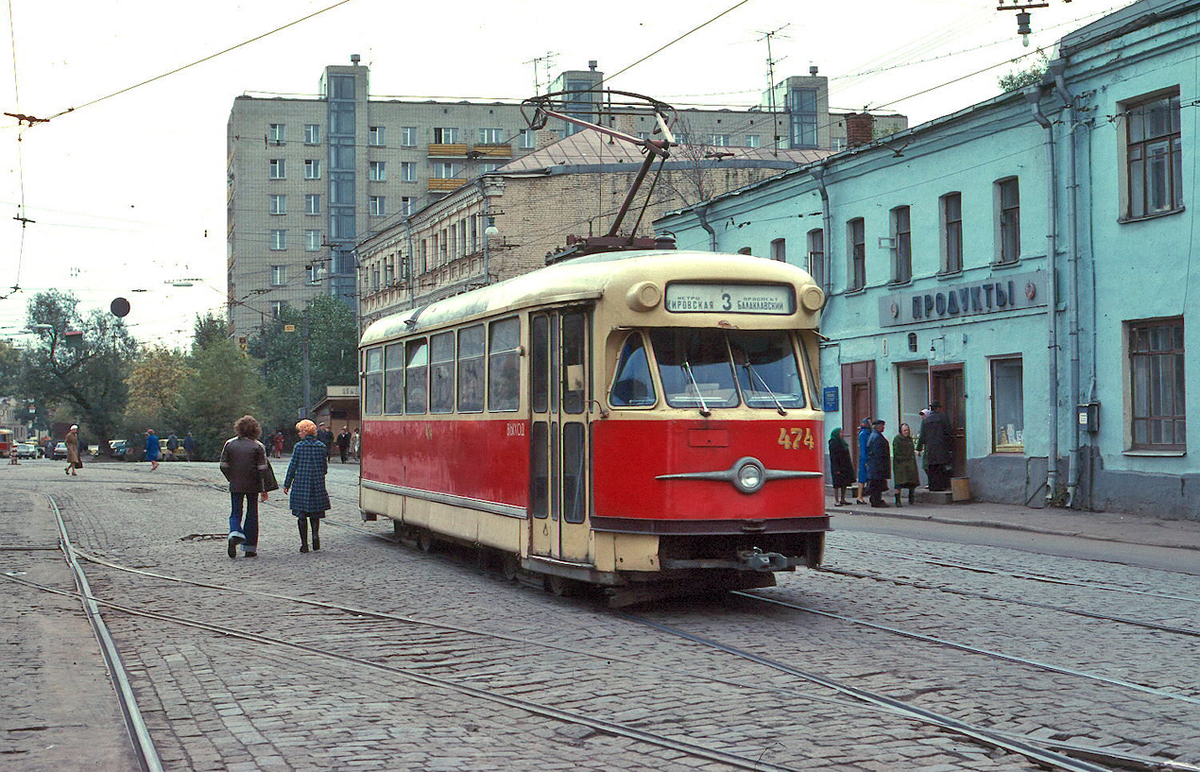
307,385
771,87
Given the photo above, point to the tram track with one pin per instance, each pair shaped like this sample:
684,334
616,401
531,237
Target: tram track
900,709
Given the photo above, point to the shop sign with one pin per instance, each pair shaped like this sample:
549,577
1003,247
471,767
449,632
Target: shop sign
1007,292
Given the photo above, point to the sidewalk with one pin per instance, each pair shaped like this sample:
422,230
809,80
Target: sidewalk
1102,526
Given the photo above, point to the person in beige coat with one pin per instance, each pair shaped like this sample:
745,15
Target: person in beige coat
72,441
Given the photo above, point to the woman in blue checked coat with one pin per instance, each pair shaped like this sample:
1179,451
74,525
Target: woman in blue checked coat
305,483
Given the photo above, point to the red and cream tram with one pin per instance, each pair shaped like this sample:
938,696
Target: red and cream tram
645,421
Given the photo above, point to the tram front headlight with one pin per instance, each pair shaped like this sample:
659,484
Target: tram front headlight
749,477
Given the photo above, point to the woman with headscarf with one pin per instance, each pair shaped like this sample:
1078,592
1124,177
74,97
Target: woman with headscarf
305,483
72,441
841,468
904,463
864,436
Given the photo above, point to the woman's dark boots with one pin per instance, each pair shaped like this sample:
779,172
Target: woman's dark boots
302,526
316,532
911,493
898,499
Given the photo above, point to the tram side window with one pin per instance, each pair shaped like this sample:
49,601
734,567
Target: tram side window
694,368
766,369
504,365
393,380
416,388
470,369
373,388
574,349
539,359
632,385
441,373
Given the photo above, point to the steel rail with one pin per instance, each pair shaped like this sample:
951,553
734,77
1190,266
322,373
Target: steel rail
1000,598
984,736
139,735
974,649
533,708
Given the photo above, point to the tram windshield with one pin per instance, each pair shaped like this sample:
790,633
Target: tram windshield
706,368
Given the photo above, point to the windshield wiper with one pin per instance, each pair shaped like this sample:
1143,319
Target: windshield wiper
687,368
754,374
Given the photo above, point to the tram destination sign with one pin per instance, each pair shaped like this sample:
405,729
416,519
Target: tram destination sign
683,298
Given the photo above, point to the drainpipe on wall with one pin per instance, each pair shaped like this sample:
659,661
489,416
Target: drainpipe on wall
827,232
1032,95
1057,68
702,216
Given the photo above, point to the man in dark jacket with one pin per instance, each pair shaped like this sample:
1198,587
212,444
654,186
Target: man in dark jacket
936,443
244,464
343,443
879,464
325,436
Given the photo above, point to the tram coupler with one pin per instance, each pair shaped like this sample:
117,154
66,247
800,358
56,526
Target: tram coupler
757,560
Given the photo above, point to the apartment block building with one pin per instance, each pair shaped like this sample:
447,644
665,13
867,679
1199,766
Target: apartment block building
309,178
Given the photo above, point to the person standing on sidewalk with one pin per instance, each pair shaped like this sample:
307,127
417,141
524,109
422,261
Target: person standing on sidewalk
343,443
904,463
841,468
72,441
189,446
879,464
864,436
153,449
305,484
937,444
356,445
244,464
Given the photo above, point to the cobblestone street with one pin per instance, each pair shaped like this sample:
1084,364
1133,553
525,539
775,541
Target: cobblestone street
375,656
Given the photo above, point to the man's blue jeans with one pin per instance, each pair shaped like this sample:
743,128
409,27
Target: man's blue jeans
246,527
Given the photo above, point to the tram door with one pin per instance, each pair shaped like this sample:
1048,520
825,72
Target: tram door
560,477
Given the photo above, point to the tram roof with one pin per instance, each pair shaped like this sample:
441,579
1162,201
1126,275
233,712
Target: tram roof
578,279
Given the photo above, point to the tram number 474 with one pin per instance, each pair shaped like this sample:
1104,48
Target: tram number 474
792,439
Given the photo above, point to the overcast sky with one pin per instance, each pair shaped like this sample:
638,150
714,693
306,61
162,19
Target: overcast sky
128,192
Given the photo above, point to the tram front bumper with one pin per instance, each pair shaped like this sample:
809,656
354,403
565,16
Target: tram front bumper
746,560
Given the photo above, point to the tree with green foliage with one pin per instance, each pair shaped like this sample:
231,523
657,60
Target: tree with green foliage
78,361
154,384
224,386
208,329
332,339
10,368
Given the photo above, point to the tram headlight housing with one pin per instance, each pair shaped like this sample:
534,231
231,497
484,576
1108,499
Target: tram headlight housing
750,476
643,296
812,298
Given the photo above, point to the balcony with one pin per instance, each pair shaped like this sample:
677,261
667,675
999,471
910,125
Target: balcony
456,150
492,151
437,185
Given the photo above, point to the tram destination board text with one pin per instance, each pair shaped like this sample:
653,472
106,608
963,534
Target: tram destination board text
730,298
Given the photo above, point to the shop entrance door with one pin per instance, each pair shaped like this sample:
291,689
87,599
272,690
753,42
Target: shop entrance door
946,387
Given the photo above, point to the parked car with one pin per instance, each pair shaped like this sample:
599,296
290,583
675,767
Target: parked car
27,450
123,450
60,450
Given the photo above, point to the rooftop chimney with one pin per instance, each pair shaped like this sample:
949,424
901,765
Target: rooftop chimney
860,129
593,64
812,70
355,59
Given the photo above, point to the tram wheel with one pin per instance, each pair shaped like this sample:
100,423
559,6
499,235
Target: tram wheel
425,541
510,568
560,586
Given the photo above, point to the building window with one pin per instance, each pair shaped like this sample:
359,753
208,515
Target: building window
952,236
377,171
1156,356
856,237
312,240
718,140
408,171
1008,406
682,138
489,167
1154,156
528,139
406,205
901,245
277,307
816,256
751,140
802,103
278,275
375,136
445,136
378,206
312,134
1008,205
446,170
491,137
311,274
277,169
278,239
779,250
275,133
408,136
278,203
312,203
312,169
